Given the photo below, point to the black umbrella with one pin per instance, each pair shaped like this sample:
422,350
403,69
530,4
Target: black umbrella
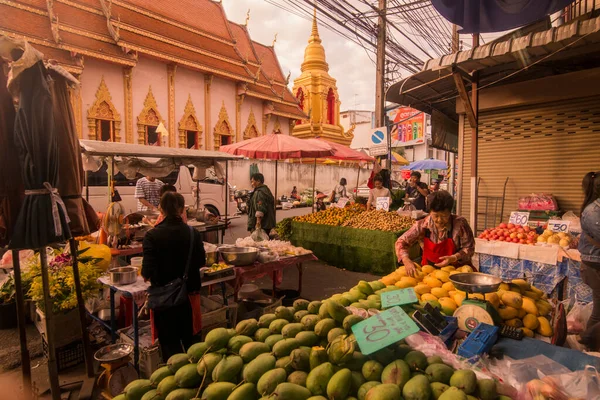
481,16
42,219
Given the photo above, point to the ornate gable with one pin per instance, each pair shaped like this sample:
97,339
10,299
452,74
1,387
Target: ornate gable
148,117
251,130
189,122
222,128
103,109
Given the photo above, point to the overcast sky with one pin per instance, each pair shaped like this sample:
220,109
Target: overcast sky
348,62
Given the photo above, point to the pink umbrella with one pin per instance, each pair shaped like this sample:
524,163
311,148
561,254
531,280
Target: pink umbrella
276,146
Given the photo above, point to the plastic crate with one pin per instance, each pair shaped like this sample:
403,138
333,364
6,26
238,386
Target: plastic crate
479,341
149,360
67,356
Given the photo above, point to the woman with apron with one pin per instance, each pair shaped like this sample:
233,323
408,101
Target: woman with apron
447,239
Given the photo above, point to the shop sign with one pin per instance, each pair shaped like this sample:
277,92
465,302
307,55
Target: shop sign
383,203
407,126
342,202
398,297
558,225
379,150
519,218
383,329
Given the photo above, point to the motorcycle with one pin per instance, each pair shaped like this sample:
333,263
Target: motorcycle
241,198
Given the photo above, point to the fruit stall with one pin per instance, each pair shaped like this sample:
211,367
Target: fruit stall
547,256
352,238
369,343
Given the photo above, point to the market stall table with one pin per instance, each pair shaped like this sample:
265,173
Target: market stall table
137,292
258,270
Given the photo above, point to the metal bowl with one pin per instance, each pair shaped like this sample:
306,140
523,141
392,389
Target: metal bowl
239,255
113,352
476,282
123,275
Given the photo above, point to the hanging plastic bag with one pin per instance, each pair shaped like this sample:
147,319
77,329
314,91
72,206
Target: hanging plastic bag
578,385
578,317
259,235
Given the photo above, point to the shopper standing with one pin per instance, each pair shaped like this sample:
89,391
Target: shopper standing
169,249
261,206
589,247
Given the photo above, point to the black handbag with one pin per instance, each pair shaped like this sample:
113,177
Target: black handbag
175,292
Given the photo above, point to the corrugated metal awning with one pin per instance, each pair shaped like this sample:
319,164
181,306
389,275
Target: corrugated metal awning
570,47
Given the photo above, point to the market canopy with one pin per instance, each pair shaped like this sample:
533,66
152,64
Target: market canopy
277,146
484,16
158,161
510,59
424,165
345,153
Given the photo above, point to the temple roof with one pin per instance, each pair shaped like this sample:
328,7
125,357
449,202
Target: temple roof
193,33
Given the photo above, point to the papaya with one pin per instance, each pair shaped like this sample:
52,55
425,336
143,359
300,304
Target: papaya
428,297
262,334
188,377
300,360
416,360
177,361
166,386
136,389
298,315
384,391
208,363
422,288
338,386
307,338
318,356
357,381
282,312
397,373
217,338
337,311
434,360
334,333
437,388
442,276
465,380
365,288
285,363
251,350
272,339
276,326
235,343
341,349
228,369
265,320
150,395
318,378
448,286
439,292
372,370
323,327
291,391
439,373
486,388
196,351
448,305
313,307
218,391
258,367
417,388
529,306
351,320
364,389
301,304
453,393
309,322
182,394
376,285
247,391
291,330
285,347
269,381
544,329
247,327
160,374
298,378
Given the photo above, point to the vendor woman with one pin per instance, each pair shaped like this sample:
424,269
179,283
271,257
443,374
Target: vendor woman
447,238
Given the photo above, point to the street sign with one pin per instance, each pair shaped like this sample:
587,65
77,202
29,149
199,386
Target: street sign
380,150
383,203
558,225
519,218
383,329
398,297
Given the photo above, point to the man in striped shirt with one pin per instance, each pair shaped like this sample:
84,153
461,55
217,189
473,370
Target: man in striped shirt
147,192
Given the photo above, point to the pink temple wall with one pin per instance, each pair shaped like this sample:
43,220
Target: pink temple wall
90,81
149,73
189,83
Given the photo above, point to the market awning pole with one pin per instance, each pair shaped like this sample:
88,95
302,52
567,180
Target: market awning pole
276,168
357,181
226,199
314,196
89,361
25,363
49,314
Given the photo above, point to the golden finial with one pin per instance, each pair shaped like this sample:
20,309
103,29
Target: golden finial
247,17
274,40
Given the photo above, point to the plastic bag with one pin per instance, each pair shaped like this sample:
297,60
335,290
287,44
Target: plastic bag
577,385
259,235
538,201
578,317
574,219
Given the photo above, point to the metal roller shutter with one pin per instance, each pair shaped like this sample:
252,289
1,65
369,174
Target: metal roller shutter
545,148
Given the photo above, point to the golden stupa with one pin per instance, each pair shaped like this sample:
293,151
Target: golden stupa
318,96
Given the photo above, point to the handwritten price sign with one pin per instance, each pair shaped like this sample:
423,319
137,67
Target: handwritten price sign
398,297
342,202
383,329
558,225
383,203
519,218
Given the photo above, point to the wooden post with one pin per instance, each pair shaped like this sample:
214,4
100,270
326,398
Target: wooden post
25,363
474,142
52,367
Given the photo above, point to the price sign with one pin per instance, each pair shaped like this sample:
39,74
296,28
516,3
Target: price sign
519,218
558,225
383,329
398,297
383,203
342,202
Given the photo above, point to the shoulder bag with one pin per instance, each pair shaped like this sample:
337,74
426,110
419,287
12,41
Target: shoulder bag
175,292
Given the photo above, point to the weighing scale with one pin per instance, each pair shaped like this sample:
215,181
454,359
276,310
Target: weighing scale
118,372
473,311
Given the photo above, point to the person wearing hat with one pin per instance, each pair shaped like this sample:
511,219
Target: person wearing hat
435,185
320,204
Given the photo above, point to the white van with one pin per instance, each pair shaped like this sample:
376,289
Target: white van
212,191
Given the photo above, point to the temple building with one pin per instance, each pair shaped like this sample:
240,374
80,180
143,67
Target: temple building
317,95
144,63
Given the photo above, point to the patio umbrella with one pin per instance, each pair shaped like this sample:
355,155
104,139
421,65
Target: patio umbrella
481,16
427,164
398,159
11,186
277,146
83,218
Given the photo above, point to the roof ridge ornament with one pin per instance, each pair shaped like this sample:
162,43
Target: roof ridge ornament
247,18
274,40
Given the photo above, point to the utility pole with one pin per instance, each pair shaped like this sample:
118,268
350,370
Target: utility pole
455,39
474,143
380,74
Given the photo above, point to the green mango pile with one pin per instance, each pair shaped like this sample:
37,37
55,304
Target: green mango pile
307,352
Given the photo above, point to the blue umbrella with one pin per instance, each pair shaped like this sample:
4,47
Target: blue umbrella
481,16
430,163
